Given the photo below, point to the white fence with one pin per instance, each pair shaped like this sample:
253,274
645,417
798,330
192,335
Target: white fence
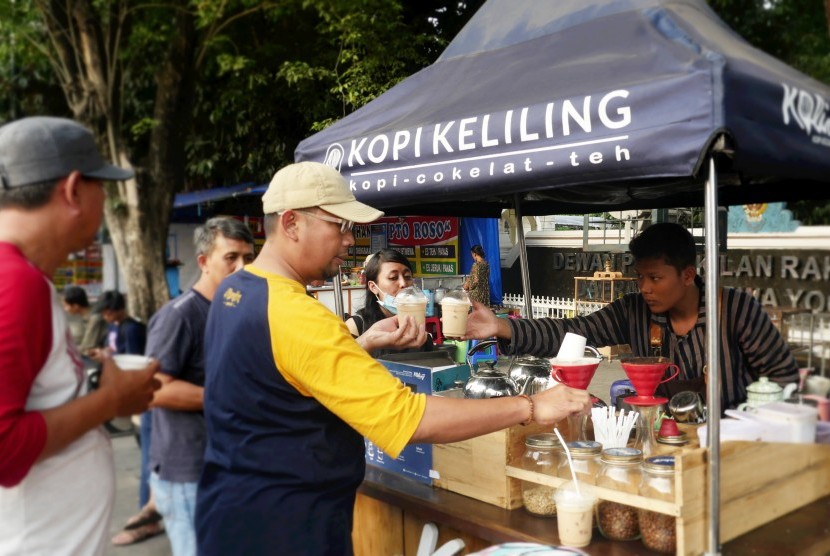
809,336
556,307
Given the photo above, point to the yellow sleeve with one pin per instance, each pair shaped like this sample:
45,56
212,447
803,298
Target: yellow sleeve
317,355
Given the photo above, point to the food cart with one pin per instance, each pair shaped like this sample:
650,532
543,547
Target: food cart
580,106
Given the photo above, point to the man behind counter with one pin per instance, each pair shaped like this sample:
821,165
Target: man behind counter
289,394
670,309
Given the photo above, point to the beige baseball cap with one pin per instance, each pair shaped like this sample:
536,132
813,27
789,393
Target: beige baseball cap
312,184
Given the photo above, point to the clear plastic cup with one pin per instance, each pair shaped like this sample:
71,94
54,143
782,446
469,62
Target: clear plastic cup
455,306
574,515
412,301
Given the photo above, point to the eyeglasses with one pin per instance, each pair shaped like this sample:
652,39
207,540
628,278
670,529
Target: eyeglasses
345,225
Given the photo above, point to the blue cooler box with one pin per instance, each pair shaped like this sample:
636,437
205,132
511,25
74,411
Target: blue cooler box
425,373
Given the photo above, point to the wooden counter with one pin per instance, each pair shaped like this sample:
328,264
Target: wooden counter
391,511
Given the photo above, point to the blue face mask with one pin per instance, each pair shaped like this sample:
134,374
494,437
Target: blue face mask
388,302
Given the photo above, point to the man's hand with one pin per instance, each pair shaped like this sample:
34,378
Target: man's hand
483,323
132,391
391,333
554,404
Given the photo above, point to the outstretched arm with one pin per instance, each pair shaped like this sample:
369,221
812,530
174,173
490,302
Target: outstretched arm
453,420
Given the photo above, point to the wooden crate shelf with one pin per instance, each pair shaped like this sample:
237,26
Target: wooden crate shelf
760,482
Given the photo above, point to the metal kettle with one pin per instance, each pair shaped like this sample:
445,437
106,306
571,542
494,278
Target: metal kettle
487,383
531,374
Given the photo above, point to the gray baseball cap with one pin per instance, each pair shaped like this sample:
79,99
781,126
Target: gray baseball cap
43,148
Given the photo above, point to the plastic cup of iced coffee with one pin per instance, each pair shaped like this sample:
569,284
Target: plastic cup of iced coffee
455,306
412,301
574,514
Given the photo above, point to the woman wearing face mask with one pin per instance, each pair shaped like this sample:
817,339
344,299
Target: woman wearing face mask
387,272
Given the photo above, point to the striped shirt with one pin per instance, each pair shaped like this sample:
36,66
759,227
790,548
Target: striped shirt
750,345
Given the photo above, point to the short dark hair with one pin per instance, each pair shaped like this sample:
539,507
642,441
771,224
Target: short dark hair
668,241
75,295
110,300
478,250
204,238
32,196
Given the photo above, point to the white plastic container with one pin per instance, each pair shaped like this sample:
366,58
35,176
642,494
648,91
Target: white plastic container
791,422
733,429
782,422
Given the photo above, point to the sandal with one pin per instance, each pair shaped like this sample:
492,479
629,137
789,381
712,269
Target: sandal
144,517
138,534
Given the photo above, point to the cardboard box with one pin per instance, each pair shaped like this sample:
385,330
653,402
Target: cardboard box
426,373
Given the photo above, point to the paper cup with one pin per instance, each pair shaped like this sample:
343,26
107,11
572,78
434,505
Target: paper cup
454,317
572,346
130,362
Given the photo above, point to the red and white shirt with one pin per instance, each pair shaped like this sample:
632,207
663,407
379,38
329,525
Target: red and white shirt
63,504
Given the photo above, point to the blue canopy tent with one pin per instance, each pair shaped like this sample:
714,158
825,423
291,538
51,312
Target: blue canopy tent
581,105
585,106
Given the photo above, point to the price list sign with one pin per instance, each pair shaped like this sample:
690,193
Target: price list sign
429,242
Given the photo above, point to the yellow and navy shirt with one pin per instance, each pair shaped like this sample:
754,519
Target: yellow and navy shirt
289,395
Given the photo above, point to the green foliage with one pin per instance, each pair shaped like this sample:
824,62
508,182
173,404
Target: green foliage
361,38
27,84
810,213
795,31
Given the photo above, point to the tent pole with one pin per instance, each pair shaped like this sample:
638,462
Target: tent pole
338,295
520,237
713,310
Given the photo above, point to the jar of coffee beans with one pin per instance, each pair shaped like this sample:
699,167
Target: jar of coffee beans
541,456
658,530
620,469
585,456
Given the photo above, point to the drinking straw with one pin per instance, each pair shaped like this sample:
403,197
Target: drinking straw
570,461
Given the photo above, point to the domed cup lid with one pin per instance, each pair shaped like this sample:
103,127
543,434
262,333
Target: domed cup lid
411,294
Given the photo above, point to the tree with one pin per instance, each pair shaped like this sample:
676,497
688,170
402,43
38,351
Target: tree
798,33
87,45
168,90
196,94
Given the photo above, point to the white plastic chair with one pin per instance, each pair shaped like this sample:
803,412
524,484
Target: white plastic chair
429,538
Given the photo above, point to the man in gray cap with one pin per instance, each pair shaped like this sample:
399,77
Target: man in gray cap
57,478
289,394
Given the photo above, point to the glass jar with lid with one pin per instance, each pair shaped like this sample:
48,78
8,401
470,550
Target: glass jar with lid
657,530
621,470
541,456
585,456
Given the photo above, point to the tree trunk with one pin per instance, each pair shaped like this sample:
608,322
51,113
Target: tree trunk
139,233
85,37
827,14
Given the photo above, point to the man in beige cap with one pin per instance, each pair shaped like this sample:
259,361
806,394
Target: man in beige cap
57,479
289,394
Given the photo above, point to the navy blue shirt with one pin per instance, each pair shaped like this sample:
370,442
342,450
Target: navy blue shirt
175,337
